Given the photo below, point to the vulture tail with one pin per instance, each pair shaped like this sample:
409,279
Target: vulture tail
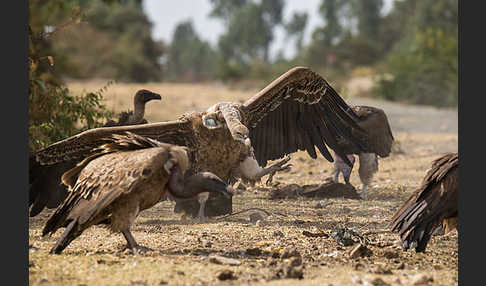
69,234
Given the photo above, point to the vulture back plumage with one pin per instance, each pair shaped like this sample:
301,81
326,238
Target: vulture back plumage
433,204
379,137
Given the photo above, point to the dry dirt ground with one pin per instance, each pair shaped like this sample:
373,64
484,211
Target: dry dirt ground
292,244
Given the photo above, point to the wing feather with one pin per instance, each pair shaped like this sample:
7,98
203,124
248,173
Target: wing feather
434,201
178,132
285,110
375,122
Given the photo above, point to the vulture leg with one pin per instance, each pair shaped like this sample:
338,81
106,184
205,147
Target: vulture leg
341,167
132,244
69,234
368,166
202,198
335,174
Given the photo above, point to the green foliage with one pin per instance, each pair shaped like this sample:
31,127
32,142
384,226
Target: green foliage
295,28
54,113
225,9
424,65
190,58
248,36
111,41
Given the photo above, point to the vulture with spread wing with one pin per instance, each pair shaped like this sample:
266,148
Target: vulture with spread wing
433,205
379,141
126,175
297,111
46,189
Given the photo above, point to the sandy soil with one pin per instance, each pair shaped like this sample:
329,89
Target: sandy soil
294,244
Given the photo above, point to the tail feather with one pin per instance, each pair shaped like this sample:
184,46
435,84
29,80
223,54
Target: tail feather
69,234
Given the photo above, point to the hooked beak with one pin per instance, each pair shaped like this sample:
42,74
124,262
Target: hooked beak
150,96
223,189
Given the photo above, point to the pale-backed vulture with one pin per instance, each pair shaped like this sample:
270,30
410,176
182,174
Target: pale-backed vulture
434,204
379,142
128,174
46,189
297,111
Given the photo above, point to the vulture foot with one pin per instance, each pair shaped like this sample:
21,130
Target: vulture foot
138,249
363,192
277,167
132,245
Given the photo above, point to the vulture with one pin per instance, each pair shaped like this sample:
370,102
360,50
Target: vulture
433,205
379,142
297,111
126,175
45,188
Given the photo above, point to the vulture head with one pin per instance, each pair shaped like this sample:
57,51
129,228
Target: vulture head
209,182
143,96
227,115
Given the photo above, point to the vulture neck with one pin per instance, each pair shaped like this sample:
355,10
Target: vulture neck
184,188
138,111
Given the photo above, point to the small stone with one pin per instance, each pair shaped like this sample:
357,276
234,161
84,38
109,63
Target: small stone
260,223
290,252
421,279
359,250
401,266
356,279
226,275
295,261
254,217
254,251
379,282
278,233
216,259
206,243
378,269
390,254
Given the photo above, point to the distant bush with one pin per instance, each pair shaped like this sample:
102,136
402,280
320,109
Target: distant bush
424,72
424,64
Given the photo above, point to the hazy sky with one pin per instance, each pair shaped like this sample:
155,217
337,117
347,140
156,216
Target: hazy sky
166,14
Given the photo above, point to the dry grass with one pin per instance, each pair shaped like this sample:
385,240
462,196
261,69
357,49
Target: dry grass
181,248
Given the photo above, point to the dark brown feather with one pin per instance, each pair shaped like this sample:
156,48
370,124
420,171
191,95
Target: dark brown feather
380,137
433,202
299,87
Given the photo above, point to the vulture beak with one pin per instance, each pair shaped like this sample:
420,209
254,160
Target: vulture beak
218,186
149,96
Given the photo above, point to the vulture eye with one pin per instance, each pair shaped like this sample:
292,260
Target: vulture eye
211,122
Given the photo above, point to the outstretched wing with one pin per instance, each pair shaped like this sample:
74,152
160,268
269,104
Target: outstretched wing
299,111
379,138
435,200
82,145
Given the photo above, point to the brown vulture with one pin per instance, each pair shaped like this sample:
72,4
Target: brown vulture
46,189
434,204
379,142
297,111
126,175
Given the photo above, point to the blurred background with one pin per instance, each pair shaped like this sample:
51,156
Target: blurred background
404,51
